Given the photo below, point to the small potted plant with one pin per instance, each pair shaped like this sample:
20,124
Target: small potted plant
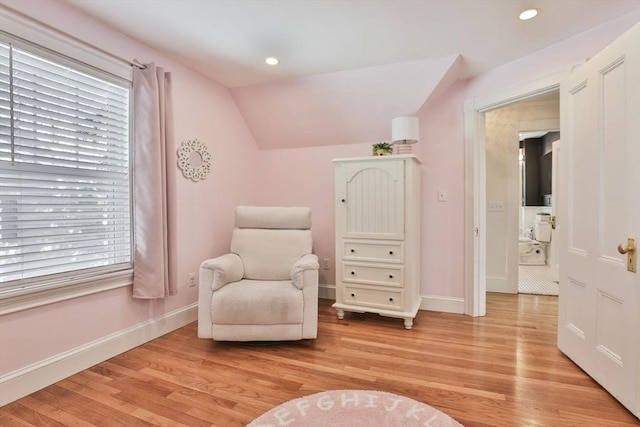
382,149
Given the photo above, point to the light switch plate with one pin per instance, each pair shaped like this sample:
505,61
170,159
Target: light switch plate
496,206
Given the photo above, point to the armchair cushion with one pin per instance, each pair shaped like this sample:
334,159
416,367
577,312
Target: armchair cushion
269,254
279,302
273,217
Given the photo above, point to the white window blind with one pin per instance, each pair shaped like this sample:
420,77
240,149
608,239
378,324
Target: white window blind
65,207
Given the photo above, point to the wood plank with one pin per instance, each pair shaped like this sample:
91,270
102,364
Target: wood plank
500,370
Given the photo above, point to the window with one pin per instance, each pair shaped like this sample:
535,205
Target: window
65,208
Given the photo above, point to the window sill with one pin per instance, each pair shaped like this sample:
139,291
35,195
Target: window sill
30,298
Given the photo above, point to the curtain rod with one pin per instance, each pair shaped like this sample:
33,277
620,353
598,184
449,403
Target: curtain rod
136,63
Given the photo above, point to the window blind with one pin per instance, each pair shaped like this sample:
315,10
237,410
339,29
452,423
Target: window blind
65,204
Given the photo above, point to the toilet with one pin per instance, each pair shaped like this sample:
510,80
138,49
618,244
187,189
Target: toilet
532,251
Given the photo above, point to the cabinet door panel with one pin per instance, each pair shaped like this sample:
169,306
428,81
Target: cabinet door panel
374,200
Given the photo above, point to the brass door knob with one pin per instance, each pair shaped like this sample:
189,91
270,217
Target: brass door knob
623,248
629,249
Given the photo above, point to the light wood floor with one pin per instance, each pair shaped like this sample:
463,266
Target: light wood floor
500,370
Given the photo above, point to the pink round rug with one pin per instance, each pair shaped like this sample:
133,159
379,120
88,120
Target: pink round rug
339,408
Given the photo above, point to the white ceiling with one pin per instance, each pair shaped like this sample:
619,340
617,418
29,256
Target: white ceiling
229,39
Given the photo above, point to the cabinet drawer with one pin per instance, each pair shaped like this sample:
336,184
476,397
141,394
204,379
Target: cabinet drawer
376,275
373,251
389,299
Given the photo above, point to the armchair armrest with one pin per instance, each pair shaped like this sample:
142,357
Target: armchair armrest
305,263
217,272
214,274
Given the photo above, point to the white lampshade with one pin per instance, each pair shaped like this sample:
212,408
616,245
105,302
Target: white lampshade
404,130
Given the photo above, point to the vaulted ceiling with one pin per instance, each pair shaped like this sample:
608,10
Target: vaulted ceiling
346,65
229,40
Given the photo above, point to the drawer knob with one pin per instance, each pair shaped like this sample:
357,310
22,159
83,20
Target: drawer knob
353,295
391,299
353,250
353,273
391,276
343,200
390,252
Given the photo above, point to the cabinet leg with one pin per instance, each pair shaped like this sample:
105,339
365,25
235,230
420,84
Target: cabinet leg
408,322
340,314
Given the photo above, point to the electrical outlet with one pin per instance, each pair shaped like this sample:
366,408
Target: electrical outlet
192,279
326,264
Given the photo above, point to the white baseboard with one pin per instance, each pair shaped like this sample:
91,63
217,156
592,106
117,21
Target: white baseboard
327,292
429,302
32,378
442,304
497,284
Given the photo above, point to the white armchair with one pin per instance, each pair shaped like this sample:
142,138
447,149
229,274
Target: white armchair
266,289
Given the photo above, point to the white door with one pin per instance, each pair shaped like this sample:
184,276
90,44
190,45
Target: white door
553,246
599,305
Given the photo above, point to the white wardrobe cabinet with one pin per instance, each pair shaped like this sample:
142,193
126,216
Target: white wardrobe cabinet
377,236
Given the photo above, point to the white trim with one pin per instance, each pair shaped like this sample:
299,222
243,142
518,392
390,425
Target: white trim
30,379
475,286
327,292
26,28
518,93
500,284
475,235
443,304
22,300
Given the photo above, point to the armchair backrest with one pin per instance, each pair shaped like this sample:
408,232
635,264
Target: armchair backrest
269,240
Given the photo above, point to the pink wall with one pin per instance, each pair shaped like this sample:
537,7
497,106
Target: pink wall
201,213
304,177
441,149
339,108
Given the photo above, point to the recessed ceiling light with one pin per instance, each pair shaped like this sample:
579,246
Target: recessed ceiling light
272,60
528,14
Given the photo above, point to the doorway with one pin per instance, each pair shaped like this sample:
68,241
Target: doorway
477,202
518,144
593,331
537,244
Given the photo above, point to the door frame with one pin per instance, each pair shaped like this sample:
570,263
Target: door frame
475,269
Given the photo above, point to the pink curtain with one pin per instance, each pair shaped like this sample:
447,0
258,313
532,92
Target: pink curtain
152,124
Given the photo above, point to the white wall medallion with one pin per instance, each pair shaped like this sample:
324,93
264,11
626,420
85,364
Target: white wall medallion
194,159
